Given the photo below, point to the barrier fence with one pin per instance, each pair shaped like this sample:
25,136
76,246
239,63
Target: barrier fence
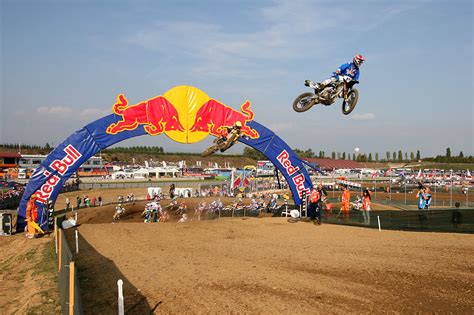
68,279
439,220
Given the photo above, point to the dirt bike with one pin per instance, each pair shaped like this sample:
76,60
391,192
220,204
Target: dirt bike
119,212
356,204
221,144
328,96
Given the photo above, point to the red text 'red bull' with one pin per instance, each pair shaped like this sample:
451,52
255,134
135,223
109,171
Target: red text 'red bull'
61,166
292,171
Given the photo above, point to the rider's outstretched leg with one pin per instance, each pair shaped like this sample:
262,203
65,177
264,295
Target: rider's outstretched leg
322,85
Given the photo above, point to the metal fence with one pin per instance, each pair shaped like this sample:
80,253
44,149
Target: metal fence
459,220
403,194
68,279
448,220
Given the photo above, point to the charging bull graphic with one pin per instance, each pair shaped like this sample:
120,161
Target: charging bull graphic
214,116
157,114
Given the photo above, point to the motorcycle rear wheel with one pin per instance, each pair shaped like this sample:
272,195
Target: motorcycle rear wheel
352,98
304,102
210,150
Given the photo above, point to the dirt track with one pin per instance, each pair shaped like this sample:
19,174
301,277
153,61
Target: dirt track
267,265
252,265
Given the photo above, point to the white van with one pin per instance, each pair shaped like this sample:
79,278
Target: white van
22,173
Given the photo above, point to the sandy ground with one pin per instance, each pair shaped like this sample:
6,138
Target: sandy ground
250,265
267,265
28,282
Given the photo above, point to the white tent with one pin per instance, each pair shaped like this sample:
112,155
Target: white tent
183,192
154,190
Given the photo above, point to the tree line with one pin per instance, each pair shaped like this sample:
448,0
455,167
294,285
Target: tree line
364,157
395,156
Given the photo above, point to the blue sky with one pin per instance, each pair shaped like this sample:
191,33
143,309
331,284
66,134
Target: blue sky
64,62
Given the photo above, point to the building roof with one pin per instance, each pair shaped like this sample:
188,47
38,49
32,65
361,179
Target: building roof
9,155
330,164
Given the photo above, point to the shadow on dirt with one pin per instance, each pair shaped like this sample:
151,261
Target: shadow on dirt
98,277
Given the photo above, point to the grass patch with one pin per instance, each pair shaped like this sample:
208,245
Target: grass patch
27,256
47,267
47,264
6,265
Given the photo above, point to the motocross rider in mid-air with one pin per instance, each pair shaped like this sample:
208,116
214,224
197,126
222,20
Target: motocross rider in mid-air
235,129
347,72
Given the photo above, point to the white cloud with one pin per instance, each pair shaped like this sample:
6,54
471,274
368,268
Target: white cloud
94,112
54,110
361,117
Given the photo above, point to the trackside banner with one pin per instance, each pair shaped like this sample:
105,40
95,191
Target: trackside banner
48,179
280,154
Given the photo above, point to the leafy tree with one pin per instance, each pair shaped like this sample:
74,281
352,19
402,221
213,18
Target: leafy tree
448,153
406,156
333,155
353,156
461,155
338,155
394,156
418,155
377,156
253,154
343,155
388,156
370,157
400,156
412,156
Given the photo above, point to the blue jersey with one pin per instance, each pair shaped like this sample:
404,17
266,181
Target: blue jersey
421,201
350,70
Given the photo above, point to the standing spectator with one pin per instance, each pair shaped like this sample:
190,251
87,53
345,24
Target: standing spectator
87,201
31,217
314,213
322,196
428,198
100,201
93,201
68,203
421,198
366,207
172,188
345,202
78,201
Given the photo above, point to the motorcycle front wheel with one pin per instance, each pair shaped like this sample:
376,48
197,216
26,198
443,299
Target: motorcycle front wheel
304,102
352,98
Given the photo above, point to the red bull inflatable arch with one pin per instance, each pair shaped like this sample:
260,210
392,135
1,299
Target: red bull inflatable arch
185,114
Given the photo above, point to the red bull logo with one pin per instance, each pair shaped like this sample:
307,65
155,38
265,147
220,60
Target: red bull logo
184,113
214,116
157,114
